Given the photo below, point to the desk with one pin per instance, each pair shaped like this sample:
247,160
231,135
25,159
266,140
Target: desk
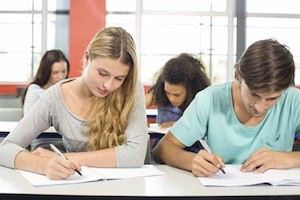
7,127
176,184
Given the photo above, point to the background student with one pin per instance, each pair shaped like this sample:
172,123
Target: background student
177,84
250,121
101,115
54,67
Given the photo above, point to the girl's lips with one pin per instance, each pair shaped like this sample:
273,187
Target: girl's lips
103,92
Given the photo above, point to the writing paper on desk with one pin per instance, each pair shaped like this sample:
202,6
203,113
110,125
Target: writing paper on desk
155,128
90,174
122,173
234,177
41,180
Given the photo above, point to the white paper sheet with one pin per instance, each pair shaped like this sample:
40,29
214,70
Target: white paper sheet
92,174
234,177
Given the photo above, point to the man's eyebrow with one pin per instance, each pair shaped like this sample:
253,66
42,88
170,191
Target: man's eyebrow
274,97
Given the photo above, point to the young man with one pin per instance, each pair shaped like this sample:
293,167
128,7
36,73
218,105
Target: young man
251,120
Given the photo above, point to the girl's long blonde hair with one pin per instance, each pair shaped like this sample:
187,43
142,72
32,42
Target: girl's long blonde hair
108,117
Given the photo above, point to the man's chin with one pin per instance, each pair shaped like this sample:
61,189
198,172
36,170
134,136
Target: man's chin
258,115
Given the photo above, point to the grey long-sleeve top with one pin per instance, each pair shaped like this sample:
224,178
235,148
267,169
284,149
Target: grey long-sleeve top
34,92
51,109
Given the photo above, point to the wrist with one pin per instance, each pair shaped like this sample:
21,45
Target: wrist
39,167
297,159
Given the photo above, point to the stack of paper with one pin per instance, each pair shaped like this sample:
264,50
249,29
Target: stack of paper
155,128
234,177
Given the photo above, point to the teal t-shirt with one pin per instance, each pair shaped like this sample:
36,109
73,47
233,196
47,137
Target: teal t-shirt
211,116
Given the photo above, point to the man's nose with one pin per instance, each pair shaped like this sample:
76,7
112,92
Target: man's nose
261,105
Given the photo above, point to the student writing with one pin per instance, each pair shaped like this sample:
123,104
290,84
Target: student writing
251,120
54,67
101,115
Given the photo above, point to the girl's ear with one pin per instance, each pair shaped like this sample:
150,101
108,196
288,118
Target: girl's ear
86,55
85,58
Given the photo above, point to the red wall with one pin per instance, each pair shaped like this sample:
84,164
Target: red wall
10,88
86,18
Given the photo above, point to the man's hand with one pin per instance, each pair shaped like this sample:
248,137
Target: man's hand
265,159
206,164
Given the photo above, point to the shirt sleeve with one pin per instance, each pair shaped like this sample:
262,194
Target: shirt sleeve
33,93
193,124
27,129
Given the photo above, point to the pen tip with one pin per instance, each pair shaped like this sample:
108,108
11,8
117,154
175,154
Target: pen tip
223,170
78,172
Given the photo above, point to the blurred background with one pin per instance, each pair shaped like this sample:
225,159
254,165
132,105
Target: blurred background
217,31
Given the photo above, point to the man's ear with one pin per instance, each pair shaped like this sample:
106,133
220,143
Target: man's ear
239,78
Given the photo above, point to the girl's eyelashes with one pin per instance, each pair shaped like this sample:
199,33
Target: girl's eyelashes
104,74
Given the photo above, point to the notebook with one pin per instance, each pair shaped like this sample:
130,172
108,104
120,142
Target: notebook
90,174
234,177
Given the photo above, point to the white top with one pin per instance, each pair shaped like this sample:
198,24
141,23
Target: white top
51,109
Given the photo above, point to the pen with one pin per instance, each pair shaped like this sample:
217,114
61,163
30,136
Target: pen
206,147
56,150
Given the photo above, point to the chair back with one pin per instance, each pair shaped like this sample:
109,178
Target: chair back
11,114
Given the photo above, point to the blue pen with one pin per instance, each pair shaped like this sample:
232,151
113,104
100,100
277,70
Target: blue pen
206,147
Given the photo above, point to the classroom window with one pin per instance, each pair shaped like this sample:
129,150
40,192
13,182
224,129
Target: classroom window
161,29
28,29
165,28
275,19
207,28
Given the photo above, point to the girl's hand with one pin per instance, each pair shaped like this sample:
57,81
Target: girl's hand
57,167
